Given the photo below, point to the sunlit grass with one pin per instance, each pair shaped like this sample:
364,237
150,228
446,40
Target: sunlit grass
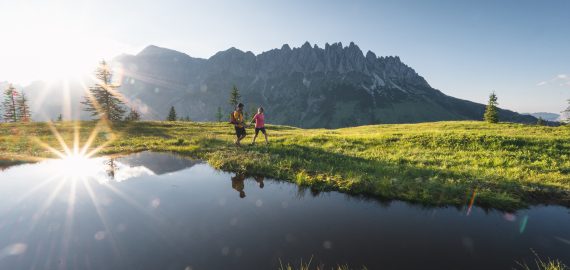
541,264
510,165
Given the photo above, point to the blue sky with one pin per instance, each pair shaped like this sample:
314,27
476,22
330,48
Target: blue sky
520,49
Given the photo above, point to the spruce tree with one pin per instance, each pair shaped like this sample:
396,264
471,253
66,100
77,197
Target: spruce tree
491,112
219,114
60,118
24,113
106,102
10,104
567,114
235,96
540,122
133,115
171,114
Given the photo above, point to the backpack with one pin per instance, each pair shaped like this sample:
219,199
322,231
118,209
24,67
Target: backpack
232,119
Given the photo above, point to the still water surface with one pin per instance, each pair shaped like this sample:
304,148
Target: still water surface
160,211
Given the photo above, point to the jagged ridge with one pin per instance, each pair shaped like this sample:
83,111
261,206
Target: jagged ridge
307,86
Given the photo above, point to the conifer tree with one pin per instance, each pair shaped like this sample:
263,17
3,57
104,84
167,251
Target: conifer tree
491,112
10,104
106,102
60,118
235,96
219,114
171,114
540,122
24,113
567,114
133,115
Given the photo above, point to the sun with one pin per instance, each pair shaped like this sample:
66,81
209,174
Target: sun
75,160
50,45
77,166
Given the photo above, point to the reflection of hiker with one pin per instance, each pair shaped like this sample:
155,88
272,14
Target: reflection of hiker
111,168
259,180
236,118
237,184
259,119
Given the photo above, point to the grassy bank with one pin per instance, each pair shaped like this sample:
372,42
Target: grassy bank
505,166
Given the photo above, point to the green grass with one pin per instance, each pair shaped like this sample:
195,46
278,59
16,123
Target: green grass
508,166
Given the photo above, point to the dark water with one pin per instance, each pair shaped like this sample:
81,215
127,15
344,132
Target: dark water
156,211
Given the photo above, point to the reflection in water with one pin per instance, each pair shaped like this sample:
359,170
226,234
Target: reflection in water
238,183
259,180
110,168
302,191
187,217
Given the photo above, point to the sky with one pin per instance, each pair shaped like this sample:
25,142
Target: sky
518,48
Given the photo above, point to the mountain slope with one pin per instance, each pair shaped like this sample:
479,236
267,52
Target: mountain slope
554,117
308,86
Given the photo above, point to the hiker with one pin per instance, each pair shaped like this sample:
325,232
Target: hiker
259,119
238,185
236,118
259,180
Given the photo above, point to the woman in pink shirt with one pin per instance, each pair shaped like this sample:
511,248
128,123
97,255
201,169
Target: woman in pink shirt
259,119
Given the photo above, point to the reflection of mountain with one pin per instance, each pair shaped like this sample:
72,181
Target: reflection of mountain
158,163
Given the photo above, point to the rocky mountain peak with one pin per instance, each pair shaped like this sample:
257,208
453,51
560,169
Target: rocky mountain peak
153,50
305,84
370,56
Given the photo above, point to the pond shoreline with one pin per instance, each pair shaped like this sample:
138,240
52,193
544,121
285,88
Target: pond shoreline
436,164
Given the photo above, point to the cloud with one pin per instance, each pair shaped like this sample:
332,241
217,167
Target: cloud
560,79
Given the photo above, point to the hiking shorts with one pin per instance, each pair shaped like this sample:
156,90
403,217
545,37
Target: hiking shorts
240,132
257,130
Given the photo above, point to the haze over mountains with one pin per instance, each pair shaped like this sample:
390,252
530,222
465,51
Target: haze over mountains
307,86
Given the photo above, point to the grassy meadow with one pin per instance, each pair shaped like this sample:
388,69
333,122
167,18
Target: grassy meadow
505,166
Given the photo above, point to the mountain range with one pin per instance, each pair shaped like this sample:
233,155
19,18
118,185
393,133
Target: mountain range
307,86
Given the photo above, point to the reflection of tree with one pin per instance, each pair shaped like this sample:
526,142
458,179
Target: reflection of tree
111,168
238,184
259,180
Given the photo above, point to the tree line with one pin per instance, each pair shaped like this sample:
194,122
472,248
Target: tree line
105,102
15,107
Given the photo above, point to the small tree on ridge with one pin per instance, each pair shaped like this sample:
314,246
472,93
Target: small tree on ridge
24,113
234,97
171,114
491,112
133,115
219,114
105,101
